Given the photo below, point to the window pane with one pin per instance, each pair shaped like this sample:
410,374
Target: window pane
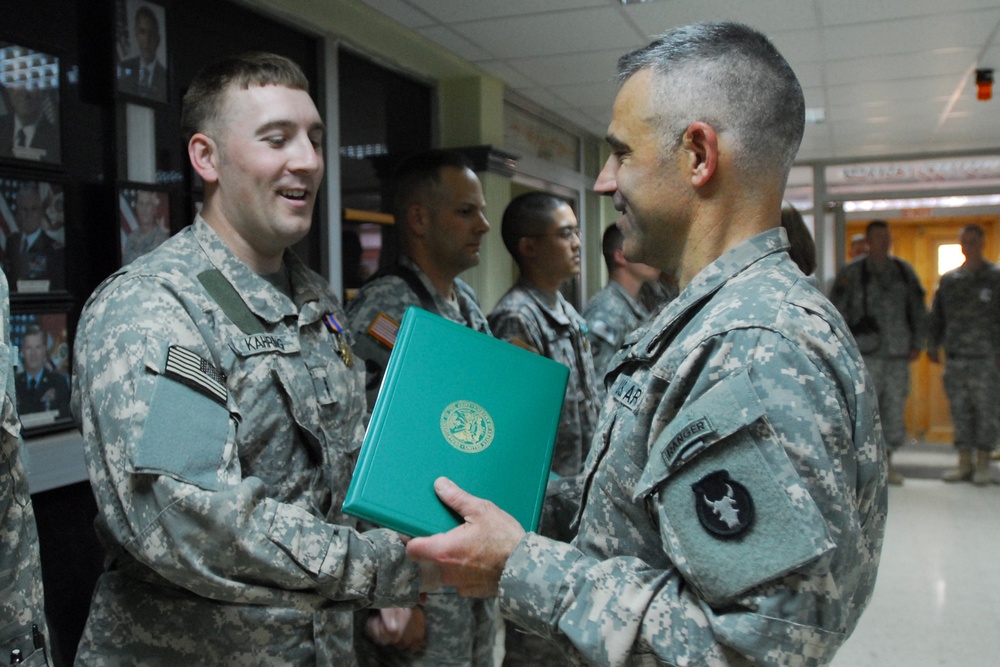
949,257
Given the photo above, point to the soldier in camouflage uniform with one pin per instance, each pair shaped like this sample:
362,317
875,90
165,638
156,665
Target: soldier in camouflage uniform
615,310
439,208
542,235
882,300
22,611
965,321
735,494
220,404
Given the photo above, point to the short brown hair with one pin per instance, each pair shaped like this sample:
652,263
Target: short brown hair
203,100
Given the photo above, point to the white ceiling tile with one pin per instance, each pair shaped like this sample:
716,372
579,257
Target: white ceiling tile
598,66
549,34
454,42
458,11
968,29
657,17
401,12
884,70
845,12
510,73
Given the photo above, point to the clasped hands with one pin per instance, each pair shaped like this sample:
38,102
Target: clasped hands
470,557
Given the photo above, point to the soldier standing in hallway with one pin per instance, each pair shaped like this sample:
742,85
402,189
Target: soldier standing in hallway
615,311
542,234
439,209
882,300
965,321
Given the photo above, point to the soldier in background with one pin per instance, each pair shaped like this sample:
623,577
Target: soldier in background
965,321
542,234
22,609
882,300
615,311
439,210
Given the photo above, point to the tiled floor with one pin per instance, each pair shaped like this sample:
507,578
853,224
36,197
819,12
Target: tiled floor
937,598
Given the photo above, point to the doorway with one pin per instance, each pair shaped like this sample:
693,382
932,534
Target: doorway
930,244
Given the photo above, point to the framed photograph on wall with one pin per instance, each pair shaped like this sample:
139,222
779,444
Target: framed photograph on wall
32,235
39,333
29,105
141,49
144,220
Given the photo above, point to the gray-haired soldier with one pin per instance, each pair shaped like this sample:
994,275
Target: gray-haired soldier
440,217
735,491
965,321
220,404
22,609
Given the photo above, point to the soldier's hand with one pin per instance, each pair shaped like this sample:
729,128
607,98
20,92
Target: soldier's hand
471,556
401,628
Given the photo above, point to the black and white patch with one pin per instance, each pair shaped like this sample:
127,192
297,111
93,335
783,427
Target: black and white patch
724,506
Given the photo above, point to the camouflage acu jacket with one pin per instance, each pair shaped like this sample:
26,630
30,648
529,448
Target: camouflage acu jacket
735,493
524,316
219,443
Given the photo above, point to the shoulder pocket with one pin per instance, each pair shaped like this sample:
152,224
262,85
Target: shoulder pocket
187,427
733,511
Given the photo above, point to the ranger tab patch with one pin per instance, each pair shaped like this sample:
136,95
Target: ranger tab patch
724,506
189,369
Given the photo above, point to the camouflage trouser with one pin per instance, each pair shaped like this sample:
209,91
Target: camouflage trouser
892,386
461,632
522,649
972,386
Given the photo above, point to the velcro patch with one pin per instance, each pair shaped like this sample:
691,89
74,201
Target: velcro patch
627,391
189,369
384,329
679,449
724,506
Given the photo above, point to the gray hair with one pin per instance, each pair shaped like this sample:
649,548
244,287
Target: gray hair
729,76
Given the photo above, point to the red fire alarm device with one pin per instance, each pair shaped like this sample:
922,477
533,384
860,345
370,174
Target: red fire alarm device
984,84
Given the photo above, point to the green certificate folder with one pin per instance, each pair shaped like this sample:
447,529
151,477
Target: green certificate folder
458,403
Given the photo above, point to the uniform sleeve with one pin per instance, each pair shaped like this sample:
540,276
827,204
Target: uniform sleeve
386,297
516,327
770,567
165,470
935,322
840,293
916,309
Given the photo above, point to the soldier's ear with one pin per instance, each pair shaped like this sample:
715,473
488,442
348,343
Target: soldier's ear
417,219
526,247
204,155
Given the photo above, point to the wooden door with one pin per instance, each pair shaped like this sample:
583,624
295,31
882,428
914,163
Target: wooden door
928,244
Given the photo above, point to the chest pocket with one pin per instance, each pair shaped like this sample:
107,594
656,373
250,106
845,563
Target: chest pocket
732,509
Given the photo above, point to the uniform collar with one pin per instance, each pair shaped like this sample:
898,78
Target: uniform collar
647,342
558,313
263,298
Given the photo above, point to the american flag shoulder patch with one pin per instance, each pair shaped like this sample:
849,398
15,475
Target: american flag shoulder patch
384,329
189,369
